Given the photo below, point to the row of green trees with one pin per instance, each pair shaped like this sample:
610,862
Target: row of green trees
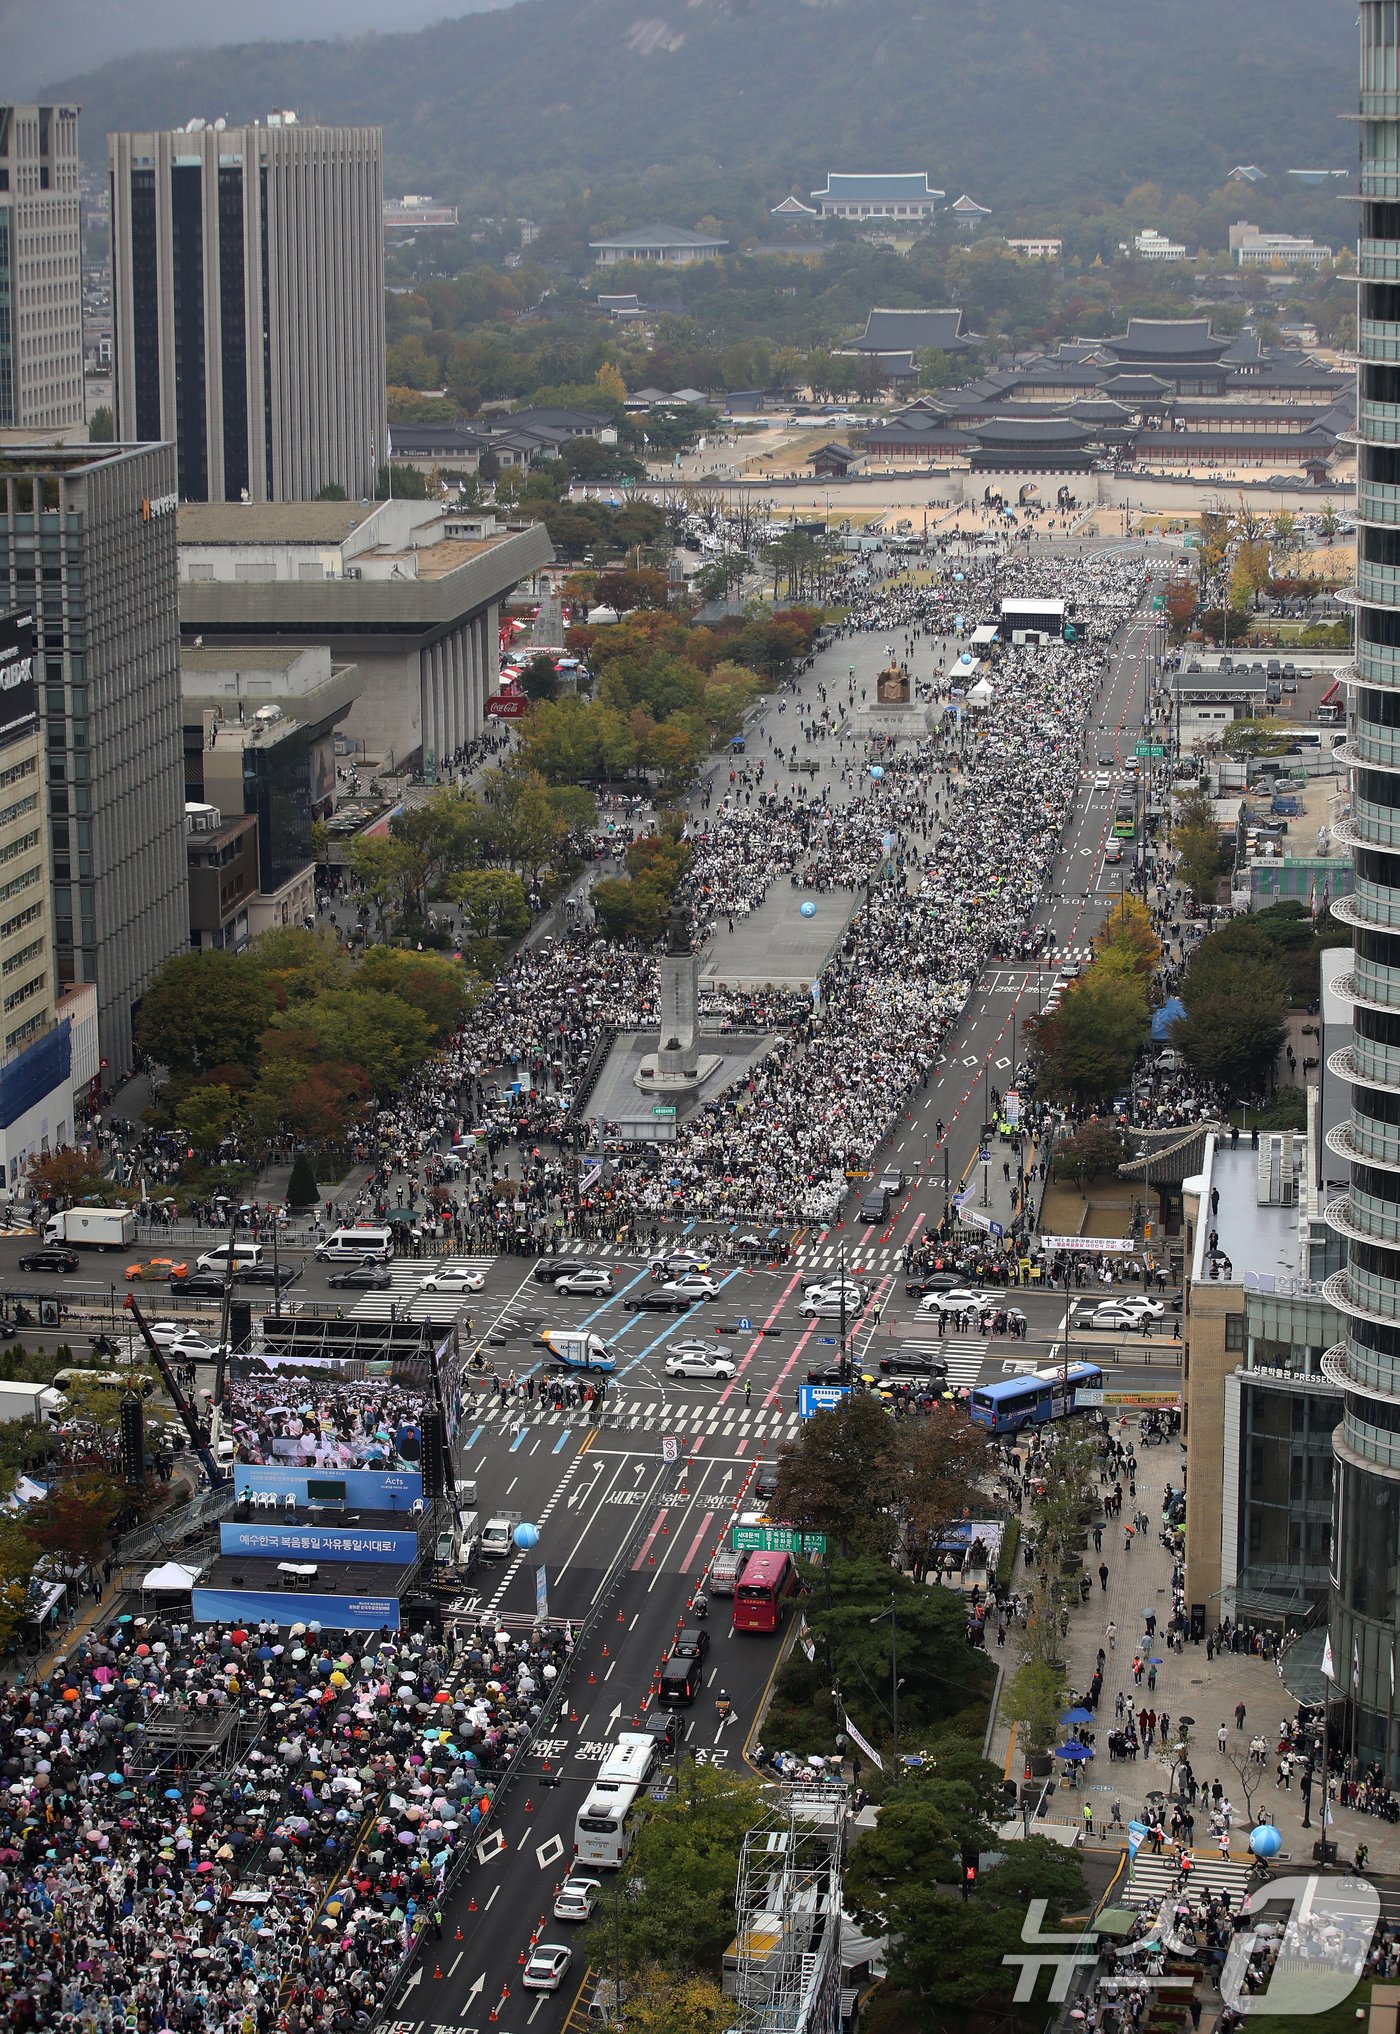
1088,1045
292,1039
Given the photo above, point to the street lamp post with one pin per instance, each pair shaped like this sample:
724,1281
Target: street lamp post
893,1615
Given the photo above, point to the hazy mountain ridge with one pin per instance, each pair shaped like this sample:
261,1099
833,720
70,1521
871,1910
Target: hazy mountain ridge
1015,102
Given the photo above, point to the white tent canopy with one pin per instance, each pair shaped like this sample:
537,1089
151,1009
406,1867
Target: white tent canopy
171,1575
980,694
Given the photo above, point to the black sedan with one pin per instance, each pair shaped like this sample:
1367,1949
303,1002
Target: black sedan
361,1278
49,1260
200,1284
266,1274
933,1281
656,1300
692,1643
827,1373
913,1364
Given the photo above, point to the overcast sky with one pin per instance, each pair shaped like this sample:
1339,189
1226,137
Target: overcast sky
43,42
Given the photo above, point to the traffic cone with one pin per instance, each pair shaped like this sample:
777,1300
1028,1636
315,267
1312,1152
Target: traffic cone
620,1618
592,1678
573,1716
546,1765
493,2015
458,1936
529,1805
606,1654
437,1970
471,1904
521,1958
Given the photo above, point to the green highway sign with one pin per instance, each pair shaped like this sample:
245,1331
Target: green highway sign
669,1108
1151,749
1157,601
776,1540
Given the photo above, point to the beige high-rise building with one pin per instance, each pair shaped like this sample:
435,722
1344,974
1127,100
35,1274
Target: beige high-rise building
248,305
41,270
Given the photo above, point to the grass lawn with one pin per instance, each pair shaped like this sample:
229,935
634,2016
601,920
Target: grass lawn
1337,2020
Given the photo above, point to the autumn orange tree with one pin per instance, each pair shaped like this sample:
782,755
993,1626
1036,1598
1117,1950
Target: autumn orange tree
65,1174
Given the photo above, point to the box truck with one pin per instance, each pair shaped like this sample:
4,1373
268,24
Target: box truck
97,1228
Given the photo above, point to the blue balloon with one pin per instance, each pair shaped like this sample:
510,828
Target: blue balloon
526,1536
1265,1840
966,657
958,577
808,910
876,772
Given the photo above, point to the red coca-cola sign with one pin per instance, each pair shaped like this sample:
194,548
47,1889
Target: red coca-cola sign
508,706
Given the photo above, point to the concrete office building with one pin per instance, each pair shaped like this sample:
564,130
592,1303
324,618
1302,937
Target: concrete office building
41,270
405,590
259,729
88,545
248,305
36,1055
1365,1366
1258,1407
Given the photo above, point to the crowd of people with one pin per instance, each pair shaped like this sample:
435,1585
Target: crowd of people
945,849
277,1885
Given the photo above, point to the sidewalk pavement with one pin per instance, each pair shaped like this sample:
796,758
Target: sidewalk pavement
1188,1684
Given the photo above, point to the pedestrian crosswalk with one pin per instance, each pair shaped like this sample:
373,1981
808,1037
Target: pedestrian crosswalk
859,1259
963,1354
404,1300
624,1411
1154,1878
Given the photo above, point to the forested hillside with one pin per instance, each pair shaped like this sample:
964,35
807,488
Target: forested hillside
692,107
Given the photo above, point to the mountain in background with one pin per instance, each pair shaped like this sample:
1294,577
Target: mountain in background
38,42
664,108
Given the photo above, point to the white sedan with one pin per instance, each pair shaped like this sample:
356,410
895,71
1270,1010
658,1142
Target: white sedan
719,1365
961,1300
1141,1303
454,1278
548,1967
856,1295
576,1899
693,1285
1110,1315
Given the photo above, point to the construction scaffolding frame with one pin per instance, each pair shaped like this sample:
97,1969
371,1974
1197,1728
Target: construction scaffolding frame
784,1971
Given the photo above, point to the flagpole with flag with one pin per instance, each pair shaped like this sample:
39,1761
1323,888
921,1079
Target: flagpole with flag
1355,1703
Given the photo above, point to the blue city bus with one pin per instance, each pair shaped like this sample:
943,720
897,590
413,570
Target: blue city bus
1031,1400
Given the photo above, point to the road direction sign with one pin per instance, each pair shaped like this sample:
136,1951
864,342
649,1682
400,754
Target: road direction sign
778,1539
984,1156
996,1229
828,1341
1152,750
744,1324
666,1109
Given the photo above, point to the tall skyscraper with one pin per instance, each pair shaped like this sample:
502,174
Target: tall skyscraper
1365,1570
41,270
88,548
248,305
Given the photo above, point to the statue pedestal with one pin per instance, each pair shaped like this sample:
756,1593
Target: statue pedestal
678,1063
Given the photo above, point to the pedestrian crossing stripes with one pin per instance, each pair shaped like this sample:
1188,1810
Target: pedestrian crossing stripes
403,1298
963,1354
860,1259
1155,1878
625,1412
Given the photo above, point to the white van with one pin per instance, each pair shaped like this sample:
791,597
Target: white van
244,1255
356,1246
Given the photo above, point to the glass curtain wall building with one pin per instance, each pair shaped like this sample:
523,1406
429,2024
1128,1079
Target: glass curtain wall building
1365,1567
